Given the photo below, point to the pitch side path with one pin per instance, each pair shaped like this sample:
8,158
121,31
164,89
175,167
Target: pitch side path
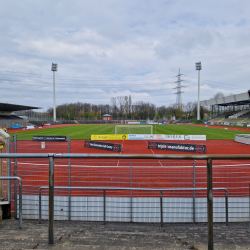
78,235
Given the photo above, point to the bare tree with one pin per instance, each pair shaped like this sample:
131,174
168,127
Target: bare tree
219,95
114,107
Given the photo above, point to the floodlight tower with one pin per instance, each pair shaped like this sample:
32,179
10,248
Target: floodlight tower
54,68
198,67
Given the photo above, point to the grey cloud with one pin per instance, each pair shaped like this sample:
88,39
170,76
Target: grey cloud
110,38
184,43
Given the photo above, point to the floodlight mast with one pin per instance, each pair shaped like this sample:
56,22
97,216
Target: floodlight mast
54,68
198,67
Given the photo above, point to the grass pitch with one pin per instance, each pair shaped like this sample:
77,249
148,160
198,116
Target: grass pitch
81,132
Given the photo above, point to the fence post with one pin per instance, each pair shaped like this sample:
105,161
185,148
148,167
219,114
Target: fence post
210,204
69,149
226,201
15,195
104,206
9,169
40,205
161,207
194,192
51,198
131,194
20,204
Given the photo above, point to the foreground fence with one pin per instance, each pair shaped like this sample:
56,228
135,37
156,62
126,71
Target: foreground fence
181,206
131,203
221,178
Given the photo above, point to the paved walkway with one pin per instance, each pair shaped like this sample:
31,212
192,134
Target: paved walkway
120,236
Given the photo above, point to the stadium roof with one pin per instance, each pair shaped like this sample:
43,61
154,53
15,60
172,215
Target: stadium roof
240,99
14,107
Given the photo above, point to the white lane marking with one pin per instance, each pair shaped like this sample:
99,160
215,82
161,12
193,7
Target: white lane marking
66,165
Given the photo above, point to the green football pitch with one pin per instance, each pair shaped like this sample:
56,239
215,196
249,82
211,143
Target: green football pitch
85,131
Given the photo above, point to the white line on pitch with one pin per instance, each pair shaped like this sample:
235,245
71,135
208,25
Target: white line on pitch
43,164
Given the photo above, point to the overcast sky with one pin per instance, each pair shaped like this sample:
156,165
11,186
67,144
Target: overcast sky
109,48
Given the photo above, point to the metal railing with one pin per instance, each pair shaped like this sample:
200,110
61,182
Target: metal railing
207,157
20,196
131,189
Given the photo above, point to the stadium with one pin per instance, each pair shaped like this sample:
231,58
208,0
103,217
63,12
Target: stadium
152,173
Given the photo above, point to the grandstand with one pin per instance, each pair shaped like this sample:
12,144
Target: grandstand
230,110
8,119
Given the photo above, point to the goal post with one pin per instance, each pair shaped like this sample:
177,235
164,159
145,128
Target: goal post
133,129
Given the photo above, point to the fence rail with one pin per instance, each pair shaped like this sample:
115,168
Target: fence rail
20,195
132,189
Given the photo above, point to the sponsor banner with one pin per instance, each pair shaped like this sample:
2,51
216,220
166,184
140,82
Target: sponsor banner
1,146
195,137
143,122
133,122
163,123
166,137
103,145
17,126
30,127
186,137
194,148
151,123
160,137
109,137
177,137
49,138
226,123
141,137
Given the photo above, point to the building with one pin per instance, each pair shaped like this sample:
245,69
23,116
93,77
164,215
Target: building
107,117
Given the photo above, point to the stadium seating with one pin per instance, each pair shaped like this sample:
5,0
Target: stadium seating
236,117
9,117
238,114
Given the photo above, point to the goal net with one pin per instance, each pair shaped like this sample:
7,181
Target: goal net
133,129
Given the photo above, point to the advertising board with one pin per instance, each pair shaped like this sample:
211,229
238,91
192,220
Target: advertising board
109,137
194,148
141,137
49,138
103,145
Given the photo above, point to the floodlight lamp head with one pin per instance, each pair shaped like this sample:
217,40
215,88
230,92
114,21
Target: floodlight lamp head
198,66
54,67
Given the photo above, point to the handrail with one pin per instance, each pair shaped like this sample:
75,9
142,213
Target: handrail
132,189
20,195
129,156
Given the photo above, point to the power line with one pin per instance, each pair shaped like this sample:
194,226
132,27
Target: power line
62,77
89,85
212,81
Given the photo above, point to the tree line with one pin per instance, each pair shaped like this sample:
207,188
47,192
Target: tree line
121,107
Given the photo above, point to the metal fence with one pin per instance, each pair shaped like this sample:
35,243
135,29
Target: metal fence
131,206
234,175
178,206
57,175
8,123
